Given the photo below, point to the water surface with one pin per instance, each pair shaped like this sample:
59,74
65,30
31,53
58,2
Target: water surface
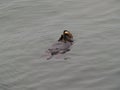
29,27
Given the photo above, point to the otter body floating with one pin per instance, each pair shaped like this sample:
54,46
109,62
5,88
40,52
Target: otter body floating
62,46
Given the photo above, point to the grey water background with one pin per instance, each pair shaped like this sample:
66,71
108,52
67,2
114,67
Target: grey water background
29,27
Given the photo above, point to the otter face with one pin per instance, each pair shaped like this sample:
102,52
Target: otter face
67,36
66,32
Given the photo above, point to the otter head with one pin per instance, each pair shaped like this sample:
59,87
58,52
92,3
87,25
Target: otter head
67,35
